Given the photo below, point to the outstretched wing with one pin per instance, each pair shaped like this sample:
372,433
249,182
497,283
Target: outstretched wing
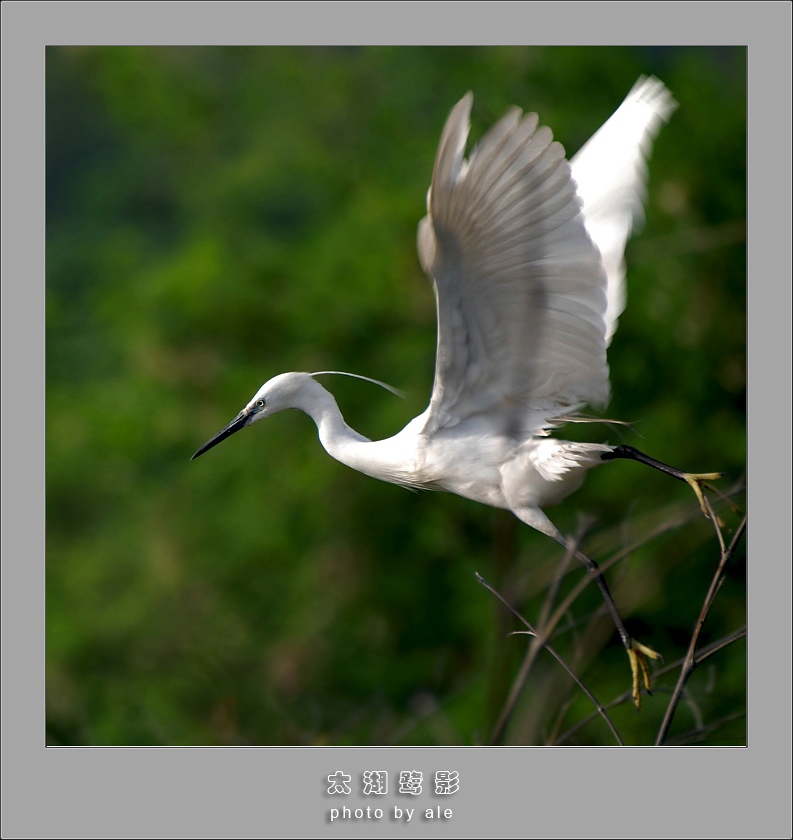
520,289
610,172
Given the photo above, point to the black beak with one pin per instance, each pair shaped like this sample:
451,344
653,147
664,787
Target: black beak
236,424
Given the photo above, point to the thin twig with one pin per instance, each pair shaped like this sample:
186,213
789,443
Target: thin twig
545,630
673,518
715,647
690,660
548,625
717,524
600,709
699,733
705,653
617,557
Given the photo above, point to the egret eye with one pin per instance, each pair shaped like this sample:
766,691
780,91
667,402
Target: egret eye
260,403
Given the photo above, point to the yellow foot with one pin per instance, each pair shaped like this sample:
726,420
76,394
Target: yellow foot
638,655
697,481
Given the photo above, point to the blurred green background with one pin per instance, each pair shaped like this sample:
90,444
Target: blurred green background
219,215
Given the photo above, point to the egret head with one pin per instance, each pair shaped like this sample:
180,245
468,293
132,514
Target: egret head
287,390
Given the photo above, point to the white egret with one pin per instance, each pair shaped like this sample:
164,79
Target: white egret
525,251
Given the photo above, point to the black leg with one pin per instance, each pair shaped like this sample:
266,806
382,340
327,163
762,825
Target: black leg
695,480
623,451
638,654
595,573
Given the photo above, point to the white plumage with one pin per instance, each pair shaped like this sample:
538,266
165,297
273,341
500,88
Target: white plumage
525,251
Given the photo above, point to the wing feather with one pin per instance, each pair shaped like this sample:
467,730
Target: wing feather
519,286
528,282
610,172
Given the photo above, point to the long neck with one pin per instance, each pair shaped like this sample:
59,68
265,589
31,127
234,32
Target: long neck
378,459
339,440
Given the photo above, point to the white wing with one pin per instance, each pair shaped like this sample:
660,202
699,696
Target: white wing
610,172
519,287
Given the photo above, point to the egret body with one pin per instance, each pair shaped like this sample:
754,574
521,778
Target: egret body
525,251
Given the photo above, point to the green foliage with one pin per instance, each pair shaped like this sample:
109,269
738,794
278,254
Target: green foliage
220,215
